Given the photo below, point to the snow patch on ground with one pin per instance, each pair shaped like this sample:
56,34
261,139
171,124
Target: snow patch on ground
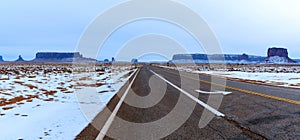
54,101
278,60
286,76
277,79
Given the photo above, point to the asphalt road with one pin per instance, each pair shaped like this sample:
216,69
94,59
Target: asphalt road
156,109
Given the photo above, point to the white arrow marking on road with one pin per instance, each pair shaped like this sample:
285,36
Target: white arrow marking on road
216,92
211,109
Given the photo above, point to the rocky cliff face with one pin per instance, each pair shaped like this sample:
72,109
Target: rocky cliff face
278,55
281,52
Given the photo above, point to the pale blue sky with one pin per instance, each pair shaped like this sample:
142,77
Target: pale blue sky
249,26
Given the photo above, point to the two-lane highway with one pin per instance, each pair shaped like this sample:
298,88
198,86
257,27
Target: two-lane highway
161,103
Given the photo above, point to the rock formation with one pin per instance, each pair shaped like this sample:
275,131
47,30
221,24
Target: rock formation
1,59
216,58
275,56
278,55
53,55
20,59
60,57
281,52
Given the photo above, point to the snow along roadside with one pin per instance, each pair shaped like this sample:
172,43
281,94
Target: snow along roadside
290,80
61,119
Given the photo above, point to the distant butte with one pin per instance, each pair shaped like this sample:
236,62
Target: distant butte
20,59
61,57
274,56
278,55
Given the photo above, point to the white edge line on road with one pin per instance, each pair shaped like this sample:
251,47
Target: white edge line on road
216,92
216,112
114,113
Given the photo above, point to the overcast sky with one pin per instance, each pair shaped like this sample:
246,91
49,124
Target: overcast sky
241,26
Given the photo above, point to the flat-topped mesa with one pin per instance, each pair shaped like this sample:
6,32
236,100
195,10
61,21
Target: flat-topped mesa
278,55
61,57
281,52
54,55
216,58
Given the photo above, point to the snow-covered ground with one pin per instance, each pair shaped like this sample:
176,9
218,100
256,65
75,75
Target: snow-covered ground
278,60
277,79
54,101
286,76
